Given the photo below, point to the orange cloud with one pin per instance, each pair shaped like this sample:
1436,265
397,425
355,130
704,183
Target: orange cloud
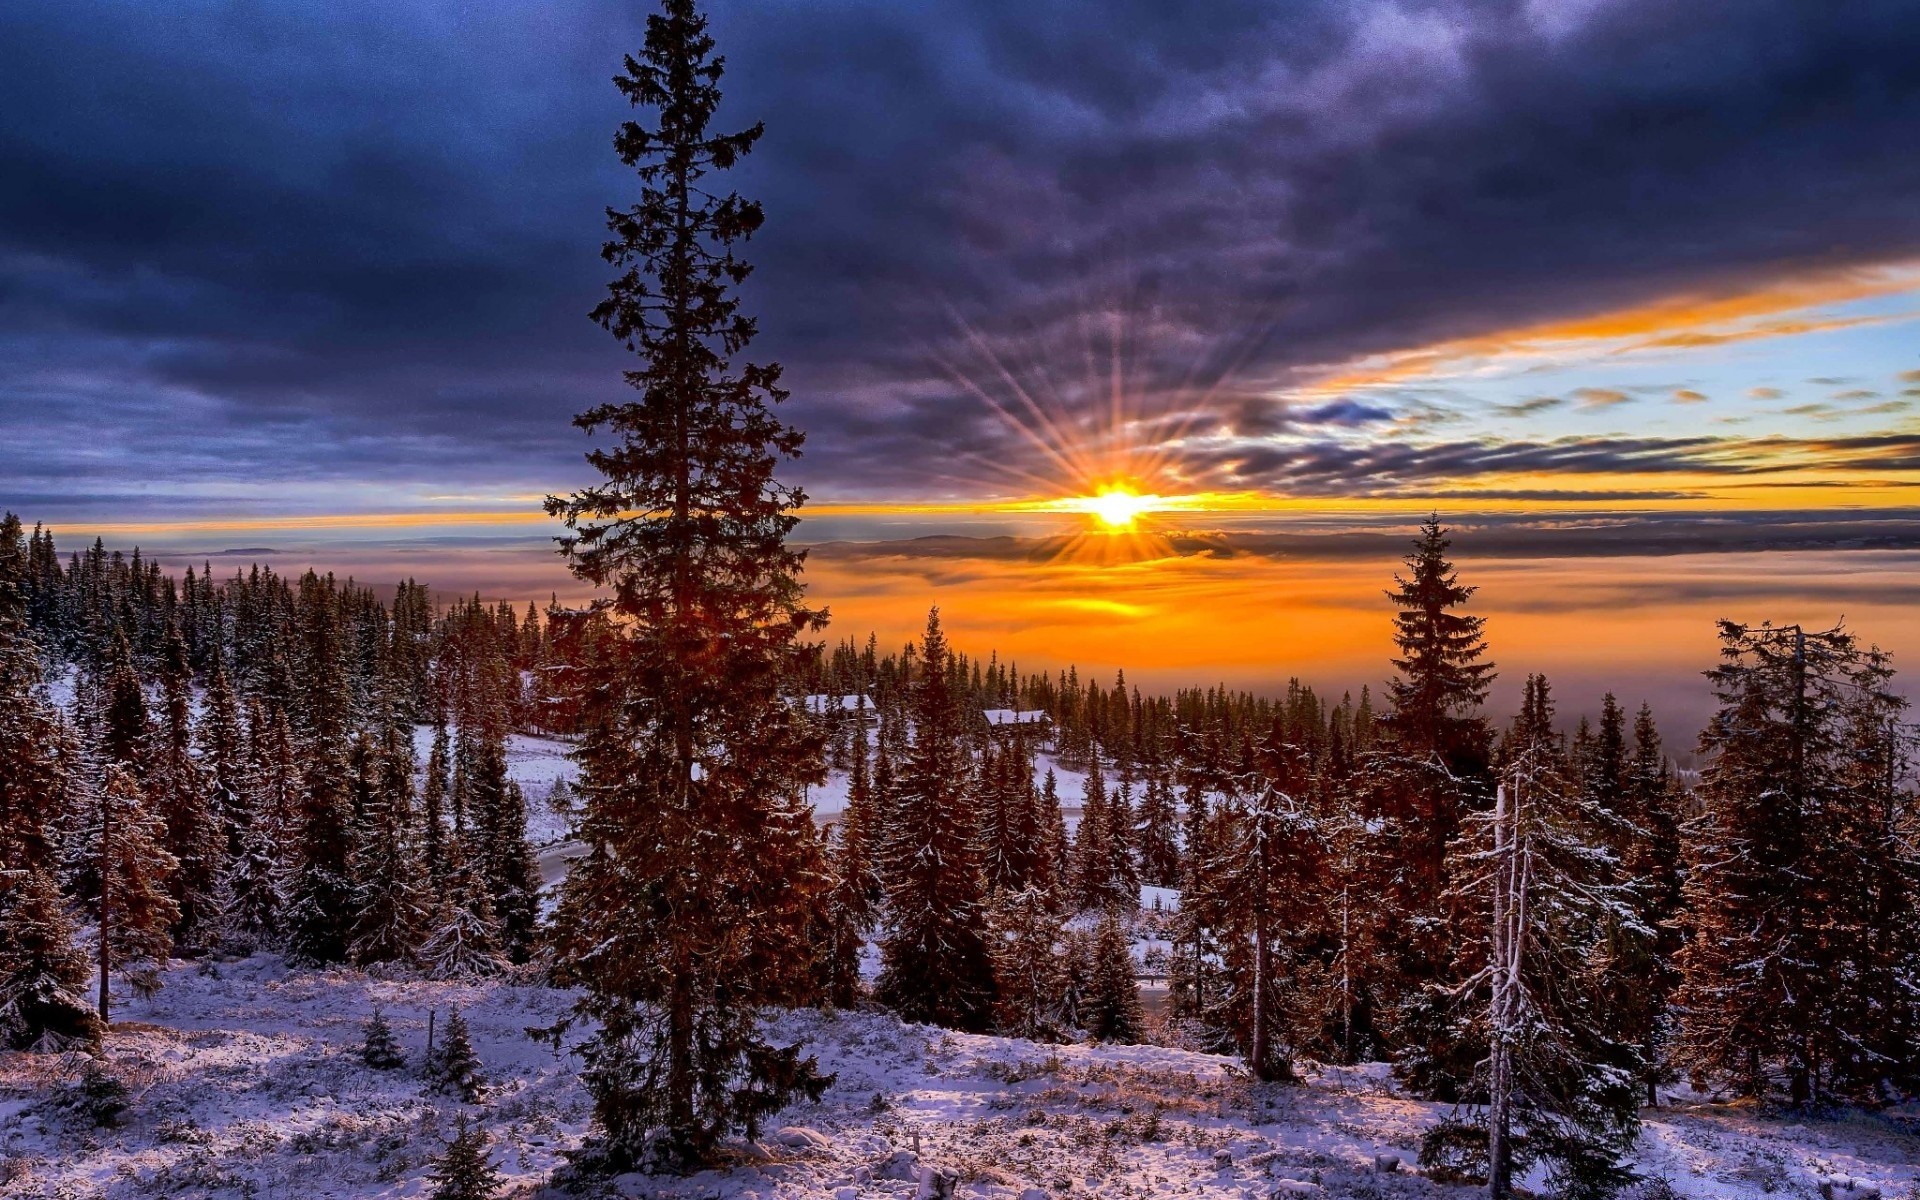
1682,320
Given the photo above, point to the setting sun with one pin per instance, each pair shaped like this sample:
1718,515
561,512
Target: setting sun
1118,508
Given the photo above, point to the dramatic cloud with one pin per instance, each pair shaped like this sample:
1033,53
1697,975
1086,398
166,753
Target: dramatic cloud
300,256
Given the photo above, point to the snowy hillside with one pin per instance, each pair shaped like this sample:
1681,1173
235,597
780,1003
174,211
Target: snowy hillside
248,1083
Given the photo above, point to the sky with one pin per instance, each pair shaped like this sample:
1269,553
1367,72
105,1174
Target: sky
1578,273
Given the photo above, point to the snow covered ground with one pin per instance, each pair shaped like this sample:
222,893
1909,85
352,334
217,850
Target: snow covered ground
248,1083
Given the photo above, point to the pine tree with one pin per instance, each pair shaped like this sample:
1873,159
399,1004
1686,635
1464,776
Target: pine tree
252,898
452,1066
860,824
433,801
1553,1082
379,1049
1159,833
32,776
1027,935
1269,870
934,963
497,823
390,913
464,1172
1428,770
463,935
693,905
320,903
1641,838
183,802
1112,1011
43,974
136,911
849,914
1443,679
1797,868
1052,867
1093,851
221,740
1123,874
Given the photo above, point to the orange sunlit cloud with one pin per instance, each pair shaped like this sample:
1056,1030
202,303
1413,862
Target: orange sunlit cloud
1683,320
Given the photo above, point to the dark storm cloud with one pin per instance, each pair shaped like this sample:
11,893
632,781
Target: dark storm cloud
354,243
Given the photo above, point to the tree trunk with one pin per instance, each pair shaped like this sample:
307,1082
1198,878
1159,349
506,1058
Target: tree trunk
1500,1082
1262,1044
106,906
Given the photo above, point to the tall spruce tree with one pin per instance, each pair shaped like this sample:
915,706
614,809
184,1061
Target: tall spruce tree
1443,678
1112,1011
1270,868
1026,963
1159,821
390,911
320,903
43,974
220,737
183,800
691,908
934,962
33,777
136,911
1547,1077
1798,897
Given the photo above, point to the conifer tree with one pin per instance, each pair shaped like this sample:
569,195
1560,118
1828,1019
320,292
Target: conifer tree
1192,994
433,802
1553,1082
693,904
497,838
849,914
452,1066
124,732
33,785
1093,852
1052,870
253,899
1159,833
390,913
136,911
1796,869
379,1049
463,935
1026,942
183,802
859,825
465,1172
30,782
320,901
1112,1011
1269,867
934,959
1123,874
1009,837
43,974
1443,678
220,737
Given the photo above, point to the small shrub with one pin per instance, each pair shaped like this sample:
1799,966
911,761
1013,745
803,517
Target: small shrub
102,1098
381,1050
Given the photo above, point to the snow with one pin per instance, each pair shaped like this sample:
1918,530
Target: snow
1016,716
830,798
820,703
247,1082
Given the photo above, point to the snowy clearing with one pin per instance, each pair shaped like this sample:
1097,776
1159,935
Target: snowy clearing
248,1083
